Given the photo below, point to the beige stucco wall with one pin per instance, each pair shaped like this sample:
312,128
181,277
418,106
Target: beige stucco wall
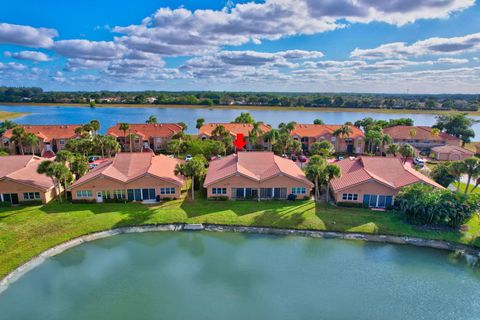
242,182
445,156
370,187
106,184
339,144
9,186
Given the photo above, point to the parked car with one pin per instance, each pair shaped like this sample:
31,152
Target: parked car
188,157
419,162
294,158
96,163
93,158
340,158
302,158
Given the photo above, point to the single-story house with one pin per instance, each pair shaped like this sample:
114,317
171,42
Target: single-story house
20,182
374,181
206,132
52,138
256,175
421,137
307,134
136,176
146,136
451,153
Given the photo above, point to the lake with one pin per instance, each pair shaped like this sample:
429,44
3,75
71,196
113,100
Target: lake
243,276
110,116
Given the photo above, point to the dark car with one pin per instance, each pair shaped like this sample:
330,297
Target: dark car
294,158
302,158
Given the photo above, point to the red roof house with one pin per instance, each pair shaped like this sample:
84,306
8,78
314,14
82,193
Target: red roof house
136,176
374,181
205,131
256,175
421,137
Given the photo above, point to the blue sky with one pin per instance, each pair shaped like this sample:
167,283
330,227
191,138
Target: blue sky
396,46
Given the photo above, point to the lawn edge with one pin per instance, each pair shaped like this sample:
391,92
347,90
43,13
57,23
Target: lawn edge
18,272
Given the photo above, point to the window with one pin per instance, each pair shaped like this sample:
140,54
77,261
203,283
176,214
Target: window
299,190
304,139
167,190
350,196
31,195
119,194
84,193
62,142
219,190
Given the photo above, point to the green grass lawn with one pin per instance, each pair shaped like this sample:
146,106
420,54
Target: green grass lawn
463,186
27,231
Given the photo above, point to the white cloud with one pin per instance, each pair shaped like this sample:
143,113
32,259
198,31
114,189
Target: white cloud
90,50
452,61
431,46
27,55
26,35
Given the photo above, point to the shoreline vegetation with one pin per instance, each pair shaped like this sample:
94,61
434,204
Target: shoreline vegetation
26,232
237,107
7,115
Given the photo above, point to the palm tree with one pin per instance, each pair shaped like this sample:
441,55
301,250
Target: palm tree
314,171
18,136
323,148
412,133
406,151
472,166
219,131
111,145
124,127
272,136
254,133
457,169
131,136
194,168
331,172
393,149
151,119
31,140
174,146
57,171
95,126
200,122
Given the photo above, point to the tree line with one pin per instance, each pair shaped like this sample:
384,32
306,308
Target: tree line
461,102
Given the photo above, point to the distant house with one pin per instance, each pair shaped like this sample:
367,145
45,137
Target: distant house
52,138
421,137
130,176
146,136
20,182
374,181
256,175
451,153
308,134
205,132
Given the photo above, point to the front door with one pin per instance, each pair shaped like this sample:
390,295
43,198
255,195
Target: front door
99,197
14,198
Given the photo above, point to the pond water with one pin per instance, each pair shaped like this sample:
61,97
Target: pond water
240,276
110,116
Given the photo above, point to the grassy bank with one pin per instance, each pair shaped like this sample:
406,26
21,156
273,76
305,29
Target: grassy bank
5,115
237,107
27,231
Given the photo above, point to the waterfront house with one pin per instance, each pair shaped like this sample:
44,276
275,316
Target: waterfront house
145,136
374,181
136,176
256,175
206,132
52,138
307,134
421,137
451,153
20,182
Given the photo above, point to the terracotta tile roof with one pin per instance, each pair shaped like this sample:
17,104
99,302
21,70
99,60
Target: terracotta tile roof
318,130
388,171
147,130
422,133
47,133
452,149
126,167
233,128
23,169
258,166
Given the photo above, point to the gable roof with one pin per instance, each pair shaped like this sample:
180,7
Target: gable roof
257,166
147,130
47,133
23,169
422,133
126,167
452,149
387,171
318,130
232,128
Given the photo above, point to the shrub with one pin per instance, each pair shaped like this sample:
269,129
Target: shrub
5,204
218,198
350,204
292,197
31,203
166,199
84,201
